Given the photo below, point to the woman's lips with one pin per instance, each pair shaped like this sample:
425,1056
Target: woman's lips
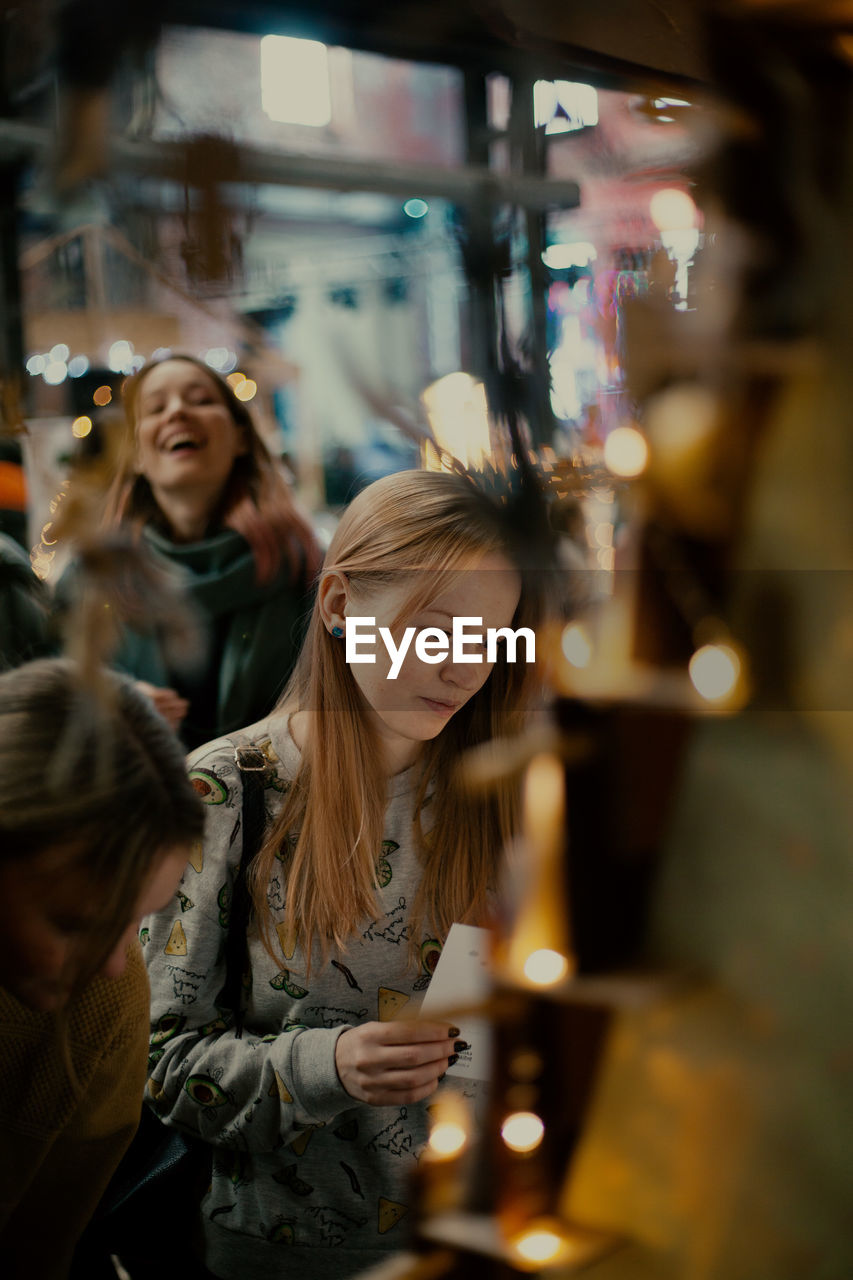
441,708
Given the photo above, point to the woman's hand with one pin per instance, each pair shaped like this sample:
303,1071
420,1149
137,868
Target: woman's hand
386,1063
171,705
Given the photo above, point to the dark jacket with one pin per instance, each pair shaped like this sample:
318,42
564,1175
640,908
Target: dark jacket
251,634
24,613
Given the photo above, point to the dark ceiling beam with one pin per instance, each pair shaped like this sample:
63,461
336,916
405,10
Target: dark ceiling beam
464,185
642,44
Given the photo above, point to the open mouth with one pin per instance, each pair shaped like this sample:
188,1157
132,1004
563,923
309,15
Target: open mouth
181,443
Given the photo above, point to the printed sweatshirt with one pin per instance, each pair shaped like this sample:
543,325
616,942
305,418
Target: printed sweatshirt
304,1178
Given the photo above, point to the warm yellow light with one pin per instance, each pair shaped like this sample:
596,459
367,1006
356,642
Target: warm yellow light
246,389
235,379
576,646
539,945
672,210
545,967
102,395
450,1126
715,670
447,1138
458,416
81,427
626,452
603,534
540,1243
45,535
522,1131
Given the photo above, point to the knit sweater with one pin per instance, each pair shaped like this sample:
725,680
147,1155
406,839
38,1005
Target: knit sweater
60,1147
305,1179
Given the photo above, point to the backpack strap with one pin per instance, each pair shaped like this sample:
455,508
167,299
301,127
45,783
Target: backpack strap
252,765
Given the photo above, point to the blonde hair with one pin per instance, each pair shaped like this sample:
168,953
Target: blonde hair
433,523
256,502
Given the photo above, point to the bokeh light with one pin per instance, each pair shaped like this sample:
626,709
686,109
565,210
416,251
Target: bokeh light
522,1131
715,670
545,967
447,1138
416,208
626,452
55,372
246,390
576,645
672,210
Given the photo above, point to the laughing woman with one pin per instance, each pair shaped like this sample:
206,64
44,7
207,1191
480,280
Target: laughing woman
315,1112
203,492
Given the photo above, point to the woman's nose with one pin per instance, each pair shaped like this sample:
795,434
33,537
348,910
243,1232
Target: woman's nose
465,675
174,406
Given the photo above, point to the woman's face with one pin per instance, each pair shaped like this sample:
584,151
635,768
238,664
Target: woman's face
186,439
49,921
415,706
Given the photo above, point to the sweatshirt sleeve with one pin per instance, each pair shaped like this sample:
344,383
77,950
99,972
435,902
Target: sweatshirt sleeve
254,1092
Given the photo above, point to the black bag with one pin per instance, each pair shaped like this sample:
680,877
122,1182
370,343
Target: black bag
148,1213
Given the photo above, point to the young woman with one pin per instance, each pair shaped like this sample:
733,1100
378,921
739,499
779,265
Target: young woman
201,488
97,818
316,1114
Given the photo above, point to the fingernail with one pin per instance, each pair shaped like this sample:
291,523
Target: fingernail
454,1057
460,1045
453,1033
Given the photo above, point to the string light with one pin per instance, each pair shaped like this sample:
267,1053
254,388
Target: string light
576,645
541,1242
545,967
715,670
450,1128
447,1139
522,1131
81,426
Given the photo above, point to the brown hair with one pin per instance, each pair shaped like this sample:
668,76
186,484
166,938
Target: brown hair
329,828
99,773
257,501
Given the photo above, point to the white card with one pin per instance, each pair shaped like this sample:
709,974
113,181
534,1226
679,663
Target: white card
463,978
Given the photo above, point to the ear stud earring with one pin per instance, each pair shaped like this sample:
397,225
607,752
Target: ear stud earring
337,632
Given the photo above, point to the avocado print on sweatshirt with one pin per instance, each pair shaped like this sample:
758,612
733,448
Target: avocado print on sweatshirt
297,1163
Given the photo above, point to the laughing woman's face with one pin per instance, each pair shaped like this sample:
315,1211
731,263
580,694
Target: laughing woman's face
185,435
